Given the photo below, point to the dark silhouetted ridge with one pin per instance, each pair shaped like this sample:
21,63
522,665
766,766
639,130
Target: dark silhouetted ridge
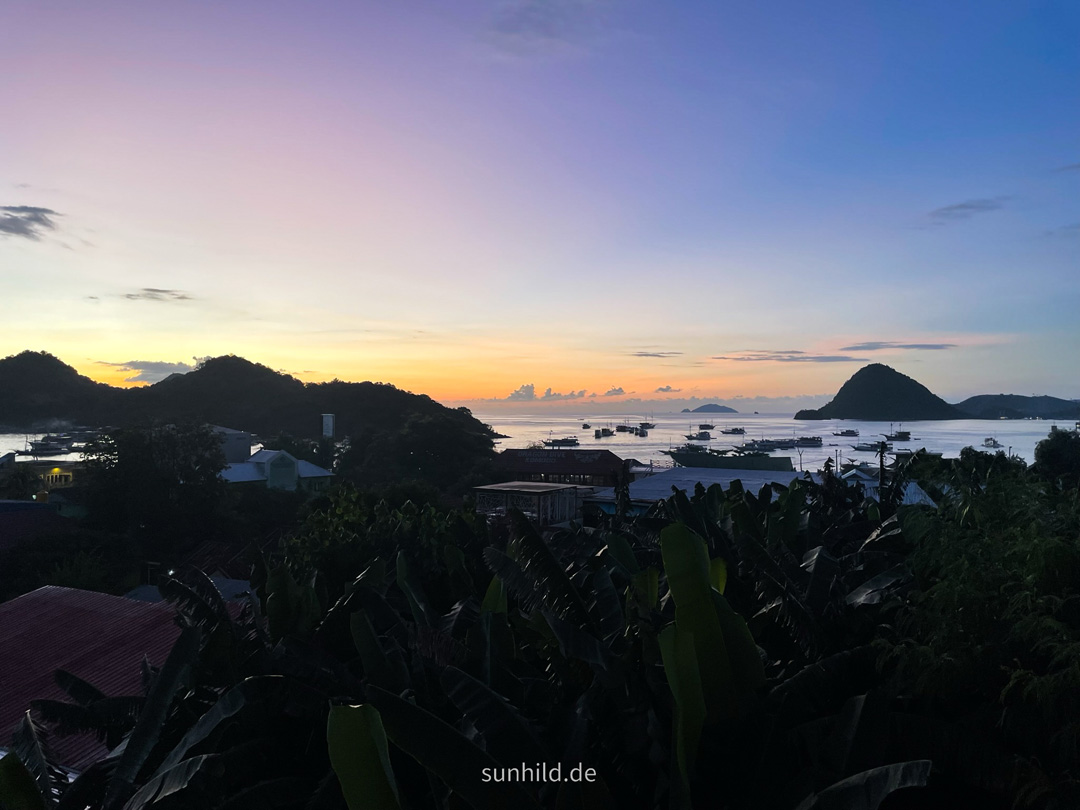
878,393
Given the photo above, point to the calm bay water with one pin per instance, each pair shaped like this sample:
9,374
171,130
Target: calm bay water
949,438
1016,436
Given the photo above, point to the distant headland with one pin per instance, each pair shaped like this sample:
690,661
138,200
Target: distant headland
878,393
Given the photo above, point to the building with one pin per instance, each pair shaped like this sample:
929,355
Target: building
591,468
544,504
276,469
647,492
97,637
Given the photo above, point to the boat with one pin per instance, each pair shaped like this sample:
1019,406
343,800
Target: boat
569,441
700,436
694,455
706,427
898,436
646,426
603,433
735,431
808,441
871,447
991,443
623,428
642,432
768,445
586,426
852,432
47,446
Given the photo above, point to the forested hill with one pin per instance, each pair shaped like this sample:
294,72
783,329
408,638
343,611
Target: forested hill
39,389
882,394
1015,406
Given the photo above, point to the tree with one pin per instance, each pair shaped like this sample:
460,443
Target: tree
159,484
1057,457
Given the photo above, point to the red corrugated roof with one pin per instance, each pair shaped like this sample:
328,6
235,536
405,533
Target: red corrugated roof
98,637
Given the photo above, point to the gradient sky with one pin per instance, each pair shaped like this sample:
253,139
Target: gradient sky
481,200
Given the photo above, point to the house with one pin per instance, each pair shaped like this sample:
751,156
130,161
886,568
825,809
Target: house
277,469
596,468
914,495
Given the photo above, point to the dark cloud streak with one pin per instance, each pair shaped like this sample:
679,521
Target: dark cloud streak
156,294
881,345
26,221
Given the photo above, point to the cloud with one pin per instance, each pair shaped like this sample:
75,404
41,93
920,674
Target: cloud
526,393
1066,231
614,392
543,26
759,356
965,210
879,345
1072,167
549,395
26,221
655,354
667,389
150,371
155,294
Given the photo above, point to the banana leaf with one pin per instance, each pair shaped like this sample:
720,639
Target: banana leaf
360,756
448,754
867,790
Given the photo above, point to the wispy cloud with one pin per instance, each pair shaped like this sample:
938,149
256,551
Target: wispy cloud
756,356
1066,231
1072,167
149,371
614,392
655,354
538,27
965,210
26,221
156,294
882,345
667,389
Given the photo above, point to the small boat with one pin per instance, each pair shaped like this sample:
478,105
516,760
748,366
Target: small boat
700,436
586,426
569,441
735,431
642,432
991,443
646,426
852,432
871,447
808,441
706,427
604,433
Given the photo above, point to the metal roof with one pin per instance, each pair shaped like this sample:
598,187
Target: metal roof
657,487
572,462
100,638
531,487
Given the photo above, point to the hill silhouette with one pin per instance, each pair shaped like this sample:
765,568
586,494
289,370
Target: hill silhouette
37,389
394,434
879,393
1015,406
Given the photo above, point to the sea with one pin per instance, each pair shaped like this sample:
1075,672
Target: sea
1017,436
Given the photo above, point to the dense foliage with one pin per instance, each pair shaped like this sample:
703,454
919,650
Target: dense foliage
795,647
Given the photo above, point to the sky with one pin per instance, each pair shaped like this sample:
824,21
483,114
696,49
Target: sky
547,203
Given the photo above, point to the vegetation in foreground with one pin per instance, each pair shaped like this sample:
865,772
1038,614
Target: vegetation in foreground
797,647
